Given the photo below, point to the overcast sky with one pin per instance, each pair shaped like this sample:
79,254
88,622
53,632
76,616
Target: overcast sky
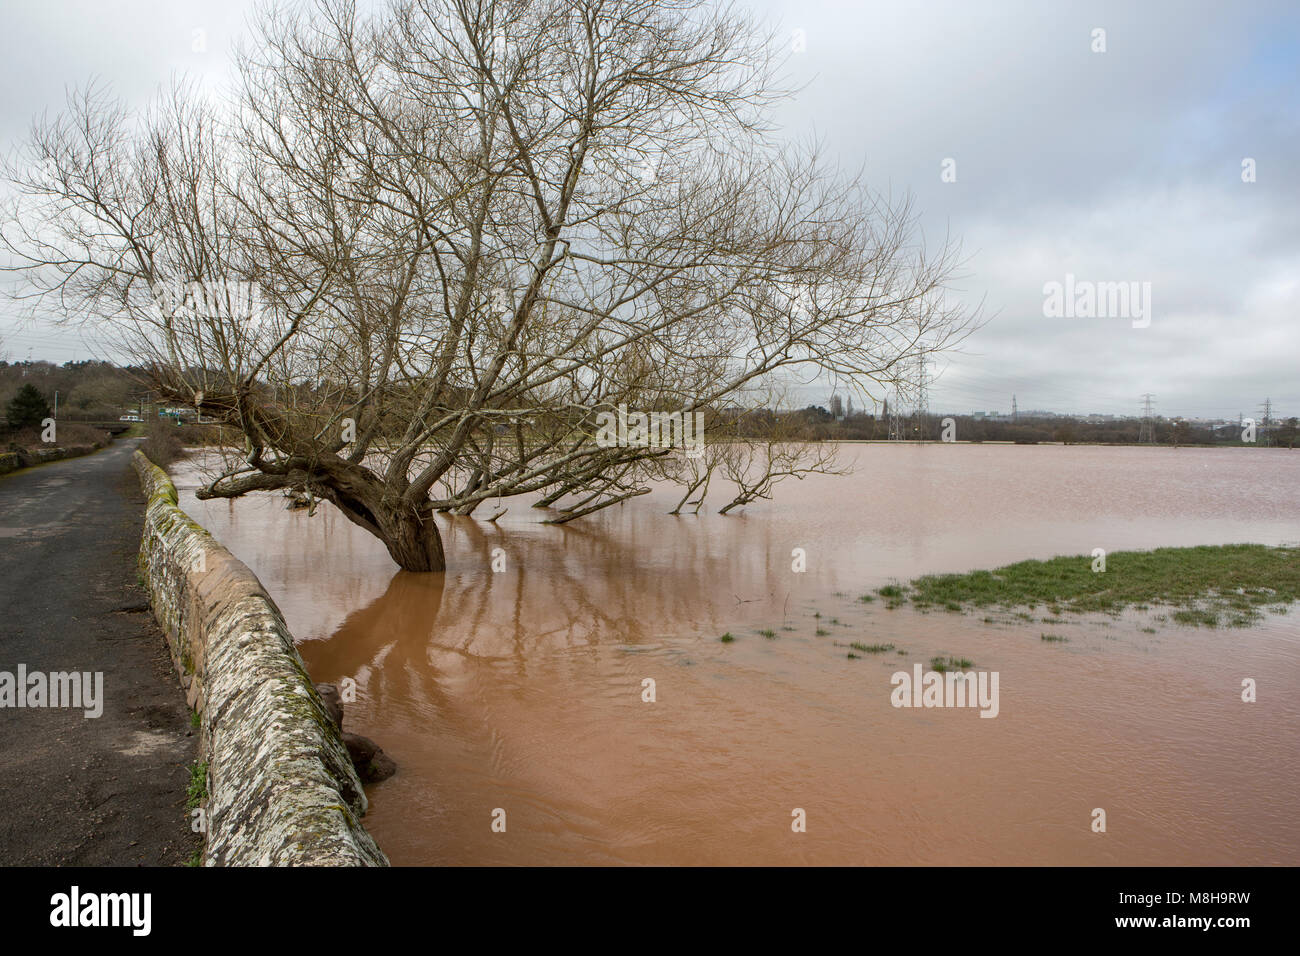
1116,166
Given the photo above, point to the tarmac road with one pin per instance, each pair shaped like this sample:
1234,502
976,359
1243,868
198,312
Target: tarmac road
105,791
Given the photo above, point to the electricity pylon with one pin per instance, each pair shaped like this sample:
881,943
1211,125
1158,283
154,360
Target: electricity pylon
1147,434
921,416
1265,419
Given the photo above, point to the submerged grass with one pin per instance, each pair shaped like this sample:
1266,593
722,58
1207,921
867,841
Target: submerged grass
1213,585
872,648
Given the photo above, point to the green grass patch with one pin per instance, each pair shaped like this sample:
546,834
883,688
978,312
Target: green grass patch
1211,585
768,633
942,664
1054,637
197,789
726,638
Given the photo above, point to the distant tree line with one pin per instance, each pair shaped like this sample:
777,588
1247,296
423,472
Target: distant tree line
816,423
88,390
101,391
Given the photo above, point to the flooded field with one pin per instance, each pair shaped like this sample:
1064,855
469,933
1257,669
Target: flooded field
522,689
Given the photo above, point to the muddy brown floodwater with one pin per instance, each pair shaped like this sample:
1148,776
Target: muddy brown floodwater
522,689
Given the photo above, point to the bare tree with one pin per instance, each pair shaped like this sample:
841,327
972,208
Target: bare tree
418,253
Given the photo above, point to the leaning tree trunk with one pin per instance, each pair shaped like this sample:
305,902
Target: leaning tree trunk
413,539
409,532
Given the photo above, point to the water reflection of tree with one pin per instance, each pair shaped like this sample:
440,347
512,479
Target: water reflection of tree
568,589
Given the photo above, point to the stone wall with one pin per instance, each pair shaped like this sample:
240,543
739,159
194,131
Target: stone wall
281,787
13,460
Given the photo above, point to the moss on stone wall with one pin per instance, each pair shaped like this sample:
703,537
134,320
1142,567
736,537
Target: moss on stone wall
282,789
